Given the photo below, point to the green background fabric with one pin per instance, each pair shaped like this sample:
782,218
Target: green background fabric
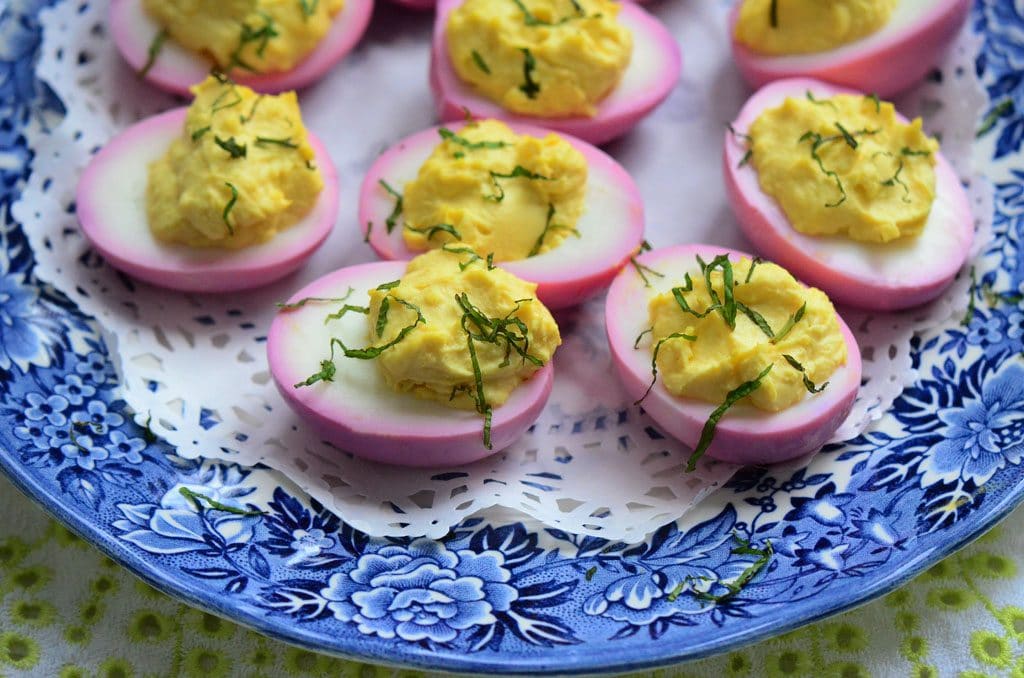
66,610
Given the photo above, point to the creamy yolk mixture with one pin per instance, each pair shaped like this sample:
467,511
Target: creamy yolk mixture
259,36
551,58
845,166
780,27
241,171
472,324
496,192
718,358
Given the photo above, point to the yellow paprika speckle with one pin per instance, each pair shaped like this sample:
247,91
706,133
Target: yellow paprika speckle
469,183
552,58
261,36
778,27
433,360
241,171
845,166
722,358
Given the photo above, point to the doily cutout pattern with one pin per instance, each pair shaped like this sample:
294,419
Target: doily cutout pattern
194,366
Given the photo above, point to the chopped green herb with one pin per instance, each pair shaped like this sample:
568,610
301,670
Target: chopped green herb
808,384
369,230
230,206
756,318
895,179
817,141
252,110
639,337
548,227
773,14
530,20
726,306
285,142
750,271
820,102
642,271
746,158
473,256
430,231
847,137
147,432
261,36
451,136
397,210
384,287
518,172
1001,110
308,7
677,294
235,149
764,556
733,397
345,310
590,573
529,87
971,294
382,316
197,499
311,300
480,63
878,104
219,104
676,591
198,134
790,324
914,152
153,52
654,360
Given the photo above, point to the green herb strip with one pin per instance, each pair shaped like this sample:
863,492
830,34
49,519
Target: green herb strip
971,294
230,206
548,227
773,14
198,134
764,556
314,300
895,179
244,119
286,142
790,324
878,104
847,137
1003,109
746,139
654,360
643,271
219,104
911,152
530,87
726,306
155,46
639,337
198,499
147,431
518,172
235,149
750,271
808,384
817,141
708,432
820,102
430,231
382,316
530,20
396,211
756,318
480,63
448,135
261,36
308,7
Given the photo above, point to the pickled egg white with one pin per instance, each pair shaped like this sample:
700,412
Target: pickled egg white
650,77
358,411
894,275
886,62
745,434
111,206
611,228
176,68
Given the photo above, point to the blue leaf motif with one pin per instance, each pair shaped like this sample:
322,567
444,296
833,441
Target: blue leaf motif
83,485
258,562
210,572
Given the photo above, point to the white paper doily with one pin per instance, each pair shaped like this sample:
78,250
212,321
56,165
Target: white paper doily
593,463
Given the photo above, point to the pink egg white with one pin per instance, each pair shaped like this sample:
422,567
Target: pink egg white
361,414
887,62
899,274
111,206
175,68
611,228
651,75
745,434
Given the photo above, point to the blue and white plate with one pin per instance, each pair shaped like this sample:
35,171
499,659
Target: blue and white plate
943,466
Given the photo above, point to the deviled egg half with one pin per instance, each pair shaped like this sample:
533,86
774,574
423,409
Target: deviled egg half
549,208
268,46
435,362
880,46
730,354
228,194
851,197
589,68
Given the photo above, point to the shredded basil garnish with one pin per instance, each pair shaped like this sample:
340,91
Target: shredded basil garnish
745,549
518,172
808,384
286,142
219,104
153,52
252,110
480,63
642,270
654,359
756,318
914,152
198,134
451,136
847,137
971,294
230,206
310,300
773,14
820,102
261,36
895,179
790,324
548,227
639,337
197,499
708,432
1003,109
430,231
878,104
235,149
308,7
396,210
726,306
529,87
750,271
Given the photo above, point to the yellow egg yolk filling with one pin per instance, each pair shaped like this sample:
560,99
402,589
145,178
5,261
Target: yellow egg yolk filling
552,58
241,171
496,192
714,358
477,332
845,166
780,27
259,36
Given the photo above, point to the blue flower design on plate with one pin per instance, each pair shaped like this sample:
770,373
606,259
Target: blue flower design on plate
946,463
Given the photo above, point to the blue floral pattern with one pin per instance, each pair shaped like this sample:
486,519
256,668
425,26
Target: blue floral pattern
943,465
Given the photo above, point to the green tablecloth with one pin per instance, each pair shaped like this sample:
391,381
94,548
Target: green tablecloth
69,611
